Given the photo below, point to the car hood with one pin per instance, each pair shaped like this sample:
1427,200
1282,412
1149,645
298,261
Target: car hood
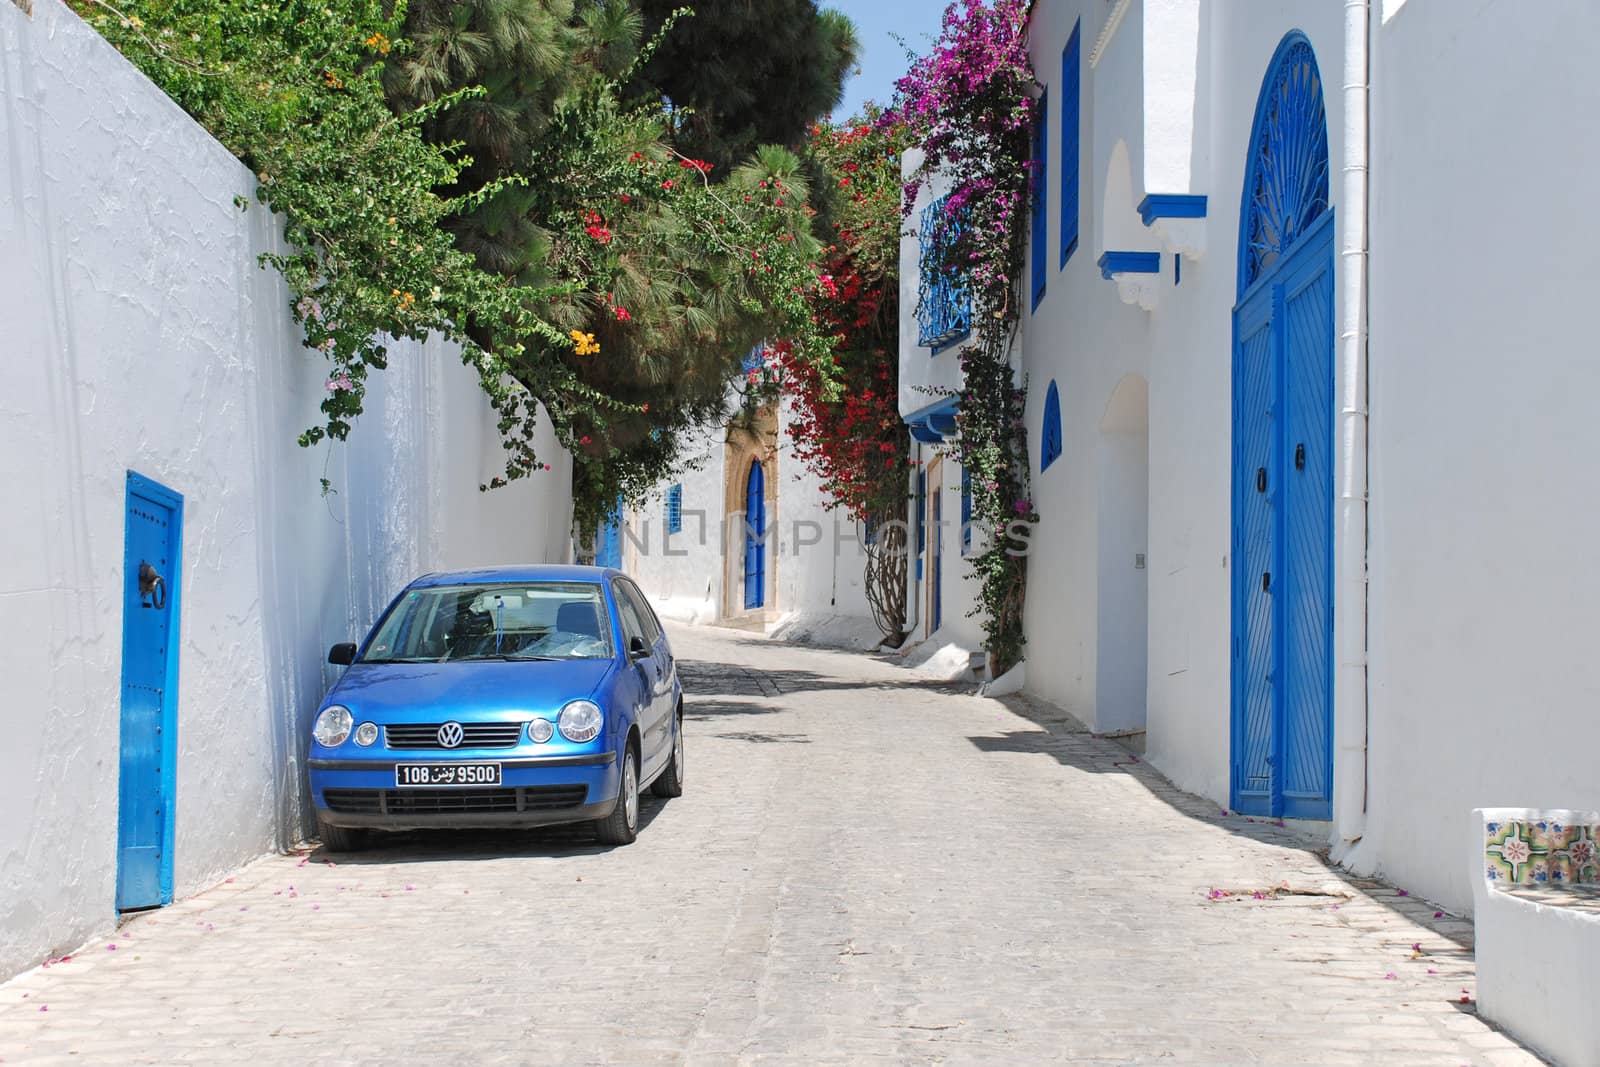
486,689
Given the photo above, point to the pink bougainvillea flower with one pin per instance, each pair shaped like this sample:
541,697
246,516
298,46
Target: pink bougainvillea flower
1438,915
1416,946
1402,892
44,1007
409,888
316,907
111,948
1432,971
1391,976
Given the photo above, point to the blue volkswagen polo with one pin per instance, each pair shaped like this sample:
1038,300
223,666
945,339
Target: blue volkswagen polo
511,697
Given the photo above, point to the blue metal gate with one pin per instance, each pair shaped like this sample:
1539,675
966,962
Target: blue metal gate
1283,445
152,551
755,537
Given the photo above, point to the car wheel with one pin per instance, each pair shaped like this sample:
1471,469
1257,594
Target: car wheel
340,838
621,827
670,784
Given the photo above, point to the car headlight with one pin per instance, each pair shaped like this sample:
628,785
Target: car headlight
333,726
540,731
581,721
366,733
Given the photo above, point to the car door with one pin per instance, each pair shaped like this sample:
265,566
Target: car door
648,671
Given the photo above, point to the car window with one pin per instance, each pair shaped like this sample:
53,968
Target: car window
632,625
647,615
529,620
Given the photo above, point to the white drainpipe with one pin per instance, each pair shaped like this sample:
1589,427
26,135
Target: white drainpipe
911,543
1350,576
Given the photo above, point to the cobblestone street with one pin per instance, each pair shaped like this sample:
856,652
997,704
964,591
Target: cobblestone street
863,868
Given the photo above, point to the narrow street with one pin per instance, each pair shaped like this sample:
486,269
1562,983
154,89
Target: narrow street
863,867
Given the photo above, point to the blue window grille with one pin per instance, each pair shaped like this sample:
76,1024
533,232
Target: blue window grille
675,509
1041,221
944,299
966,511
1071,80
1051,448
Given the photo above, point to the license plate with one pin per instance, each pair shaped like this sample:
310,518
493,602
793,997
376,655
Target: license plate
444,775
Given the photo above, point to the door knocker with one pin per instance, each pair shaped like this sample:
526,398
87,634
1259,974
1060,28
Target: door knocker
152,588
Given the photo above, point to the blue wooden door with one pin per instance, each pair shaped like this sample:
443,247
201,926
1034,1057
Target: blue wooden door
1283,535
608,542
1255,487
755,537
152,550
1306,305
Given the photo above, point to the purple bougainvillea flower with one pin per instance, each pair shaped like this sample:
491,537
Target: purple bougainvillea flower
1391,976
1402,892
111,948
1432,971
1416,946
409,888
1438,915
44,1007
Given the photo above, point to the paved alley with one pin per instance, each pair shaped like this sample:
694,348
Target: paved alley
864,868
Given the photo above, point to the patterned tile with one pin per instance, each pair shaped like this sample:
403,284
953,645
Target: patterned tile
1541,852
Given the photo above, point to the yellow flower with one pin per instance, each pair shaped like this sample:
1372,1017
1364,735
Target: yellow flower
584,344
379,42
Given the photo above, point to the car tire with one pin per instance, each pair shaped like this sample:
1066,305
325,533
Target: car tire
621,827
670,782
340,838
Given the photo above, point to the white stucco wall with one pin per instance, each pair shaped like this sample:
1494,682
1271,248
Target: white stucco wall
1085,339
683,573
141,334
1483,430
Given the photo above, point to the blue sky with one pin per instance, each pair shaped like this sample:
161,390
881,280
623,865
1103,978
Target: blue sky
882,59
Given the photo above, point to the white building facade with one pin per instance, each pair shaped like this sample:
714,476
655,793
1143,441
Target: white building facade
743,536
1273,266
172,573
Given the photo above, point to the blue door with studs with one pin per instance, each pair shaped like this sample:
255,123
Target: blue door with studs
148,735
1283,454
755,537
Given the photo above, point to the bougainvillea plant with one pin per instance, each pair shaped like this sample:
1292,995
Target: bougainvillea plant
845,426
969,104
639,247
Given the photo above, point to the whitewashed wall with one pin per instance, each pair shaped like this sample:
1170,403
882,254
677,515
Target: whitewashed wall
1483,436
140,334
1140,135
684,573
814,555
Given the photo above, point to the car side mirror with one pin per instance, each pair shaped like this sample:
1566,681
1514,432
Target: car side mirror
342,654
637,649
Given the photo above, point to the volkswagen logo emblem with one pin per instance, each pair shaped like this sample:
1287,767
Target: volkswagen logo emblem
451,735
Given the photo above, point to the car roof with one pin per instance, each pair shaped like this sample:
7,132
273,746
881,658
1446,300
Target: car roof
532,572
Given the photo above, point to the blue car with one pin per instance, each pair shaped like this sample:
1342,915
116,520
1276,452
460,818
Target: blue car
511,697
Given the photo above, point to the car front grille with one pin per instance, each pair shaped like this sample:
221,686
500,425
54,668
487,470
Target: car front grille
474,735
454,801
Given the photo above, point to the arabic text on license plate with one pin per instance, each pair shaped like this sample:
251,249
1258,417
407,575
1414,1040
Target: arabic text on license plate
413,775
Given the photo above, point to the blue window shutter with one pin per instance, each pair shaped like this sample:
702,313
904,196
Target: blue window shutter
1071,82
922,496
1041,228
675,509
1050,449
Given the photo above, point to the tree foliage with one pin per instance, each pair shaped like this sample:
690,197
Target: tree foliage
744,74
473,170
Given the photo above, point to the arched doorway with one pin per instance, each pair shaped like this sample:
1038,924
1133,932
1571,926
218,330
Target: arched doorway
755,537
1122,475
1282,452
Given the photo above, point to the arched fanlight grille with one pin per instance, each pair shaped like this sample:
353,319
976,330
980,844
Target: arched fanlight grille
1286,188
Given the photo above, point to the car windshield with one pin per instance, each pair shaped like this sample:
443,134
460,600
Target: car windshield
528,621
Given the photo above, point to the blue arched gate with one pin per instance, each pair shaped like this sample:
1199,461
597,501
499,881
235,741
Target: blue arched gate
1282,452
755,537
